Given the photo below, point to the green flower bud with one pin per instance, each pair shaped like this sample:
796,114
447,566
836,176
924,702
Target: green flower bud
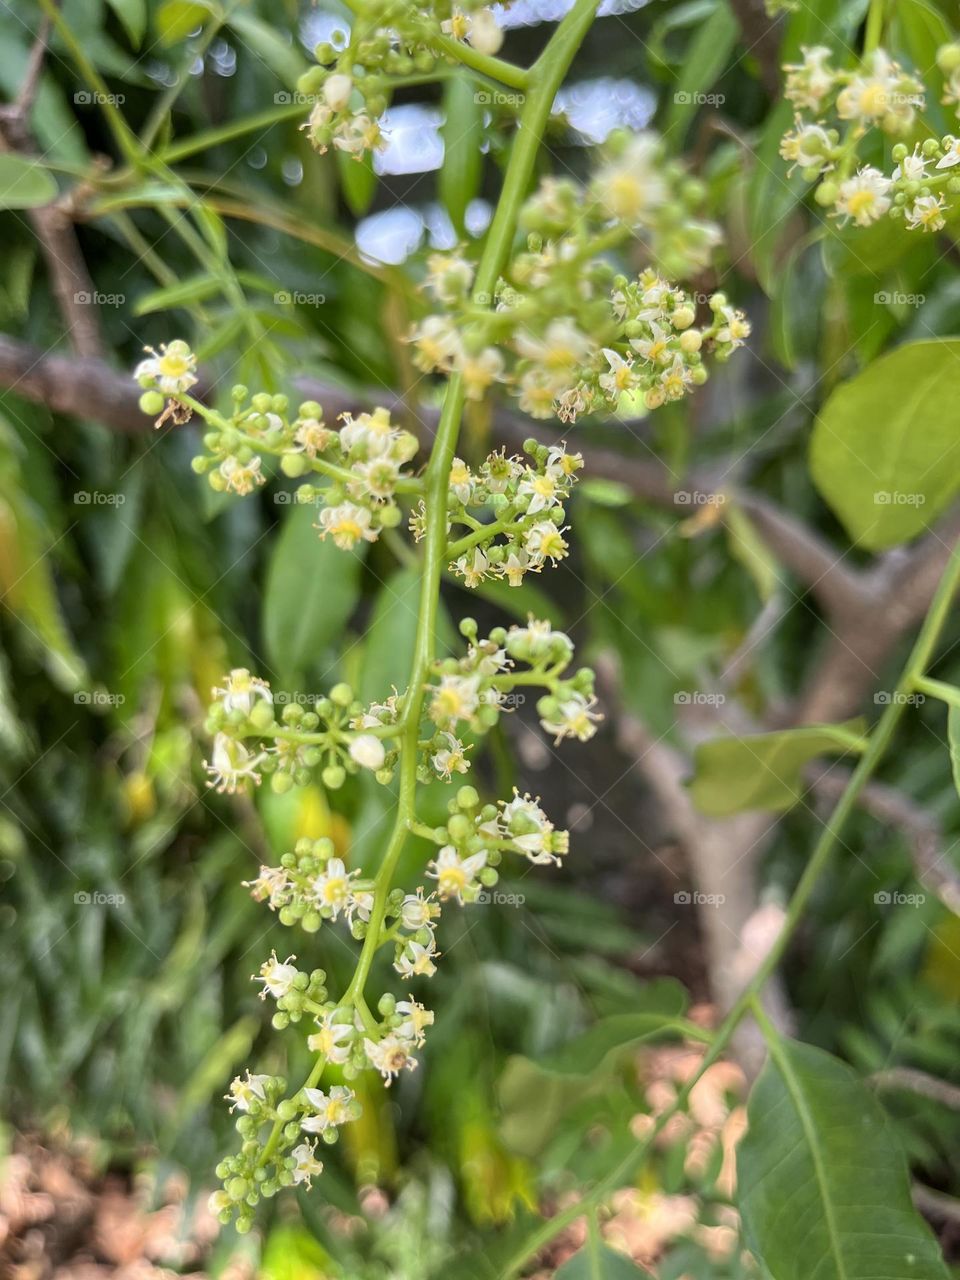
152,402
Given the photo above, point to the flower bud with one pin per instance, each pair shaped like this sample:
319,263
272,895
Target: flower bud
368,751
337,90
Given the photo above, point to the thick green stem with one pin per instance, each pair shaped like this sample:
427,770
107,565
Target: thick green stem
880,739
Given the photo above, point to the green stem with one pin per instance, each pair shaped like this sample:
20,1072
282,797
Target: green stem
880,739
938,689
226,133
495,68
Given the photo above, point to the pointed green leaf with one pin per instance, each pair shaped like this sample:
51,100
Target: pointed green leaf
462,134
823,1187
24,184
195,289
885,452
764,770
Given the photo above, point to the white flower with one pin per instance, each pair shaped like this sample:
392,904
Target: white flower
172,371
545,541
913,168
619,376
864,197
735,329
331,1110
451,757
415,1018
277,977
926,214
307,1166
360,905
485,34
271,886
368,751
461,481
472,568
437,344
242,477
389,1055
809,83
336,91
479,371
454,698
416,960
241,691
529,828
455,875
449,276
243,1092
540,490
312,436
655,349
952,154
516,565
575,718
231,765
347,524
808,146
538,392
332,887
630,187
332,1041
371,432
560,350
417,912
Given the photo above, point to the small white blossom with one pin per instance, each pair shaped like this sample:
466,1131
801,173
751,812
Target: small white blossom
389,1056
277,976
241,691
330,1109
332,887
172,370
243,1092
454,875
307,1165
333,1040
231,765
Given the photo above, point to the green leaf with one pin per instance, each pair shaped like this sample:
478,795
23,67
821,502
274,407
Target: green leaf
358,181
885,452
763,770
462,133
133,18
707,58
177,18
953,737
747,546
194,289
311,590
597,1262
24,184
621,1031
822,1185
283,57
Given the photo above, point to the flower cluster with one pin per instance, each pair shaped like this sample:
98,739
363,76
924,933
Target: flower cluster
836,111
568,335
468,694
249,740
311,885
389,42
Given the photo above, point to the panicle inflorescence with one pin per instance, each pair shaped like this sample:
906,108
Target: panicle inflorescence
837,111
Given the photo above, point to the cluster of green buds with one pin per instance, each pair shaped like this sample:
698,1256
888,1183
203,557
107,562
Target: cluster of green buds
469,694
312,885
250,740
362,460
476,836
837,111
391,41
569,335
525,502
